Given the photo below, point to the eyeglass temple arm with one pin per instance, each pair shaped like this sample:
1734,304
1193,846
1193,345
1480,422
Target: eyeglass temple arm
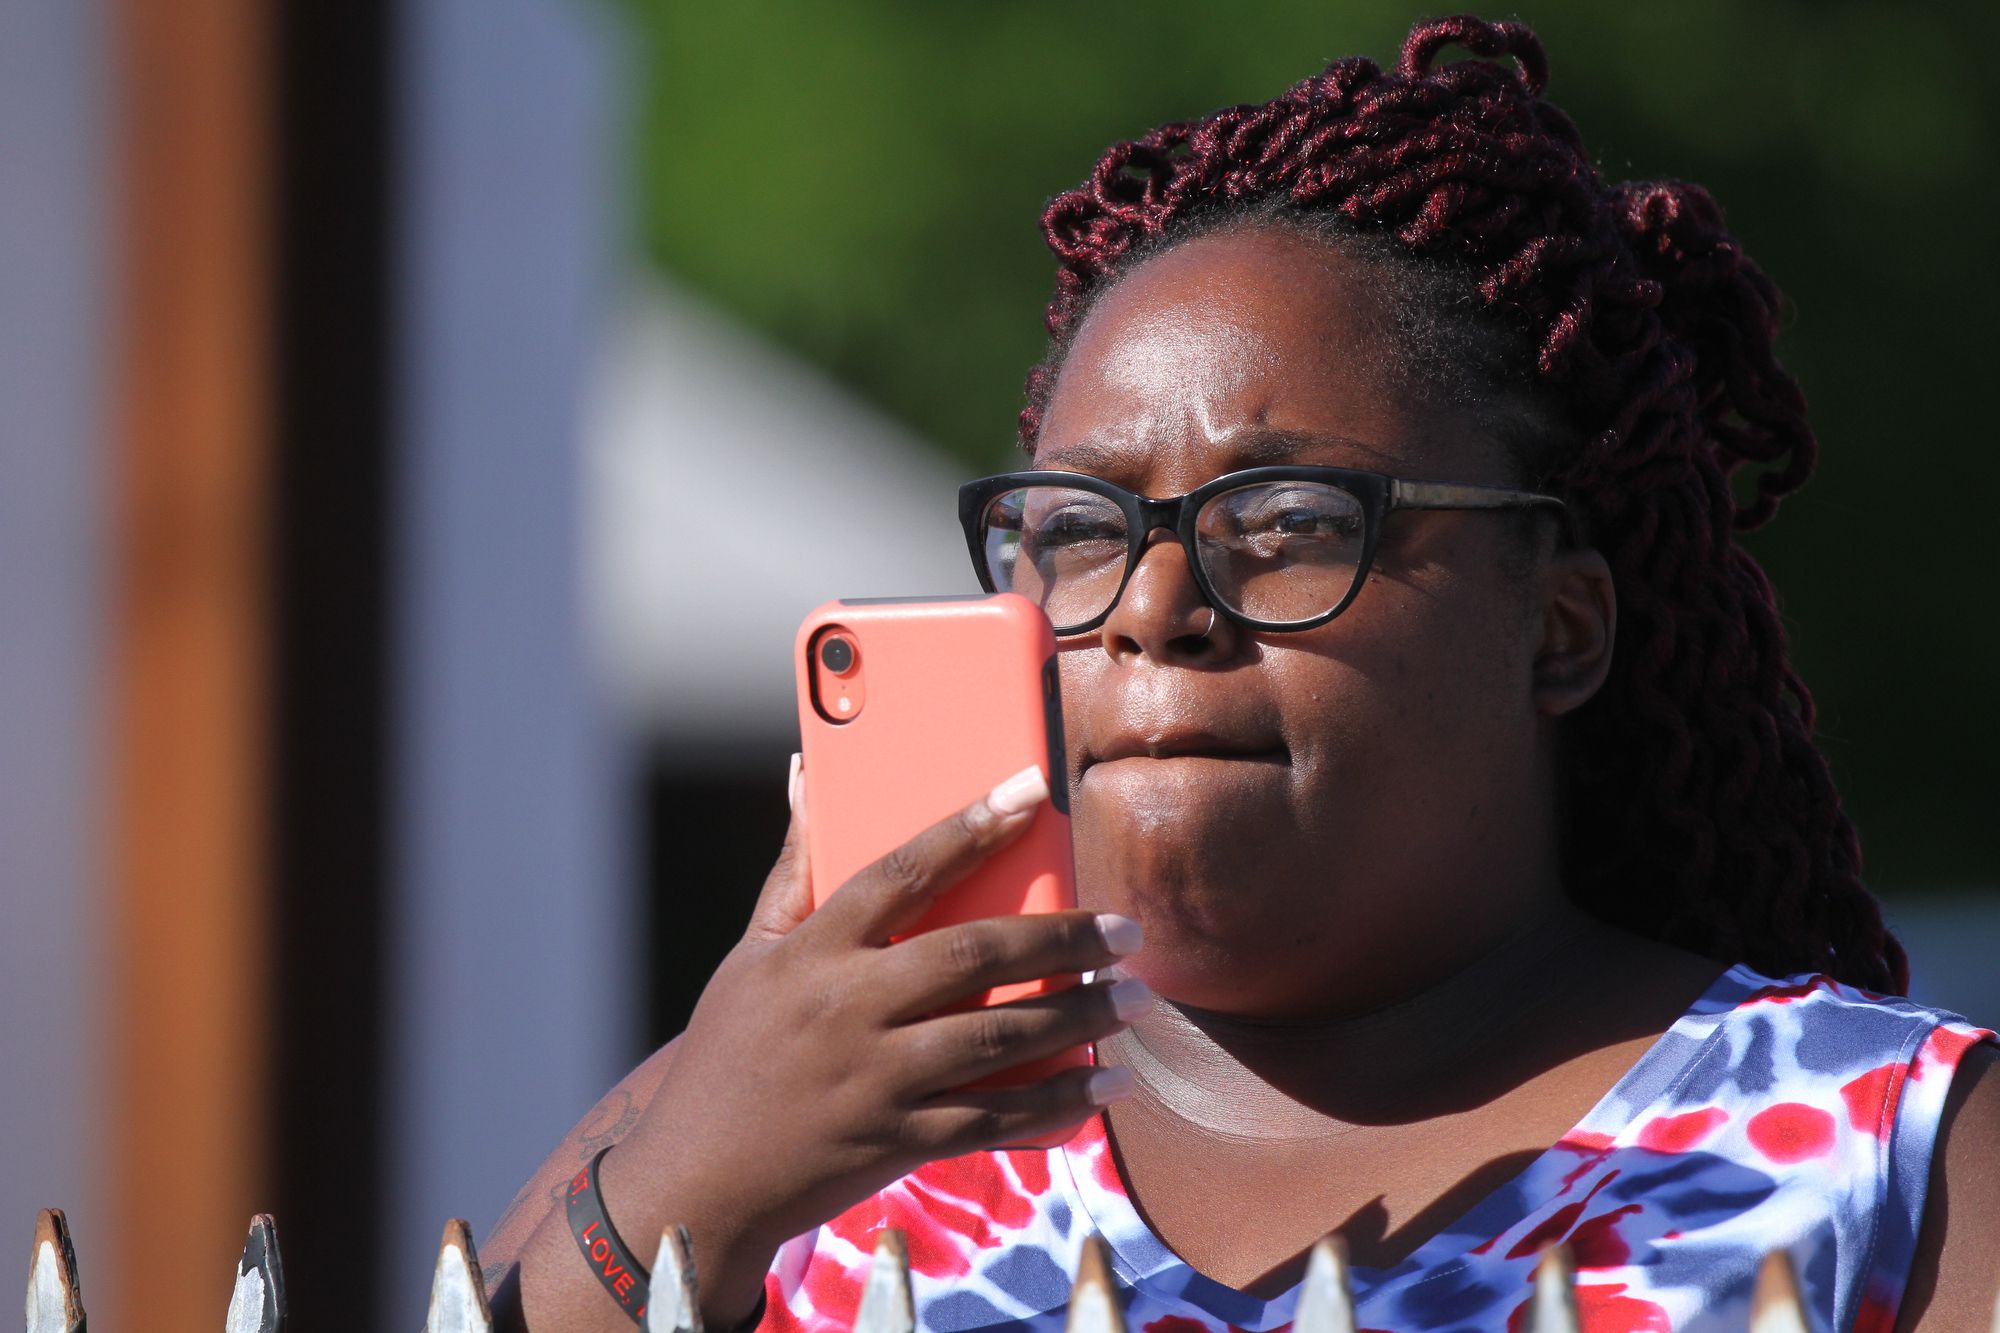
1446,495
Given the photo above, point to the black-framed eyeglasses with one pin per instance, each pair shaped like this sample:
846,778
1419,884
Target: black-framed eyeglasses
1272,548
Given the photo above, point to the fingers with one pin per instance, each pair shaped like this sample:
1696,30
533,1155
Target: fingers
956,1049
967,1121
786,899
889,896
940,968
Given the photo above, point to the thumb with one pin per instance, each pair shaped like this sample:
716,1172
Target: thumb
786,899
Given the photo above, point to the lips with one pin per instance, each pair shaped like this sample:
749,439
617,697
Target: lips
1185,744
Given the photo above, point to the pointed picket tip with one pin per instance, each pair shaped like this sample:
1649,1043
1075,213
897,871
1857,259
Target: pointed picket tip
675,1303
886,1306
1553,1306
257,1299
1093,1301
1326,1299
1774,1303
55,1297
458,1288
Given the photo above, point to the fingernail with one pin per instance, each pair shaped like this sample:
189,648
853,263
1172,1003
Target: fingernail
792,783
1131,997
1122,934
1109,1085
1023,791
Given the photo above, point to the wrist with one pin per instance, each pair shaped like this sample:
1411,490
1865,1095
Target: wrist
728,1259
619,1270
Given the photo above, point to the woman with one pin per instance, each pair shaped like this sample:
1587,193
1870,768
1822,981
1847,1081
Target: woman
1492,891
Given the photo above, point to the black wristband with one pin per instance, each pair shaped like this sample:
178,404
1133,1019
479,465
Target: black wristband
622,1275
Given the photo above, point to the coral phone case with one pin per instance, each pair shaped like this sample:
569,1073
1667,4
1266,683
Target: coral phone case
945,697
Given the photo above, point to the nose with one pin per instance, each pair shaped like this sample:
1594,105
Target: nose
1162,614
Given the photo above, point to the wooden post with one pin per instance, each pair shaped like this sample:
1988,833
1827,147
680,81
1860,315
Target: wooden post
186,917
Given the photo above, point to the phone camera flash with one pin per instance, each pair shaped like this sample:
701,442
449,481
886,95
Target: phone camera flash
839,684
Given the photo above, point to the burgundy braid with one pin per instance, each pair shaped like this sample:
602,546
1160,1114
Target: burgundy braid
1699,811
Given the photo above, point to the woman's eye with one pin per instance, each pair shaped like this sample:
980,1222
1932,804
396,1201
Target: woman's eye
1305,520
1071,528
1302,522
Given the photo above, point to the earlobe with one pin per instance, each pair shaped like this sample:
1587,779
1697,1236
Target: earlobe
1578,627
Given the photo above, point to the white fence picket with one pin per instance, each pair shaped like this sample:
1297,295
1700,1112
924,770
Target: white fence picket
886,1306
458,1288
459,1303
1554,1301
675,1305
1774,1302
257,1298
1094,1306
1326,1300
55,1298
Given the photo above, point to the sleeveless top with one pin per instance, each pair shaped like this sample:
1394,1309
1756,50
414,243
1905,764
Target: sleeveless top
1796,1114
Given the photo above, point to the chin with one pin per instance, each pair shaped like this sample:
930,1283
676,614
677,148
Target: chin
1194,976
1195,983
1206,944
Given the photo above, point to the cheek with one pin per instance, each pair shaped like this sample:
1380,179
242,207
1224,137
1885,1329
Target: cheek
1424,697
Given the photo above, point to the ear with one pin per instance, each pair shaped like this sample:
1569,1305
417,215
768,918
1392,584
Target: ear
1579,623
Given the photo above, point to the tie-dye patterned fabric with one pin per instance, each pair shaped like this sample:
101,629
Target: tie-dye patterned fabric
1797,1113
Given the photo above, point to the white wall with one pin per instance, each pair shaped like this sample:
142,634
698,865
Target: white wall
731,489
53,242
512,999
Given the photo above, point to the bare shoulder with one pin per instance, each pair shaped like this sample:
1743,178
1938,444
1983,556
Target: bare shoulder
1955,1280
605,1124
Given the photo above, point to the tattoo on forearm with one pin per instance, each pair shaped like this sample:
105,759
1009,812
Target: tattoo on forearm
609,1122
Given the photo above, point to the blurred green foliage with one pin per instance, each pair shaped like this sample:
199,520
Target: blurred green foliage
862,182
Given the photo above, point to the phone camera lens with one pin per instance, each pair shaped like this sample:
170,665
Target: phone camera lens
836,654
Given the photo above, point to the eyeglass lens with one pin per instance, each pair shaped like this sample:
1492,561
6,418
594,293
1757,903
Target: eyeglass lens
1276,551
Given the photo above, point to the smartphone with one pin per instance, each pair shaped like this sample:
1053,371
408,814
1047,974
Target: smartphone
911,708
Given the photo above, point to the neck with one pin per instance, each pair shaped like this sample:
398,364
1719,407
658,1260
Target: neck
1422,1054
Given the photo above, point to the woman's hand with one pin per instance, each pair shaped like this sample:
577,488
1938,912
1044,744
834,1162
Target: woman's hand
819,1064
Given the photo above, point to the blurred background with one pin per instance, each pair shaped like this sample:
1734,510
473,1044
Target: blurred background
426,420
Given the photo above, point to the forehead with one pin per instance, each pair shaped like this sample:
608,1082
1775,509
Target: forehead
1243,348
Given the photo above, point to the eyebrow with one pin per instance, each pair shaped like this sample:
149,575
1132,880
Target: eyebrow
1251,449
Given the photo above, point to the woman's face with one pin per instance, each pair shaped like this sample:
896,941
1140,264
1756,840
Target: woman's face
1312,822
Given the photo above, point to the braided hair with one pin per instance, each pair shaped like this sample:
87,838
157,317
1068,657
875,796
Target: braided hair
1697,808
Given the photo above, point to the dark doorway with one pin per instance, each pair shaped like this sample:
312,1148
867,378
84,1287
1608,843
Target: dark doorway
710,840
